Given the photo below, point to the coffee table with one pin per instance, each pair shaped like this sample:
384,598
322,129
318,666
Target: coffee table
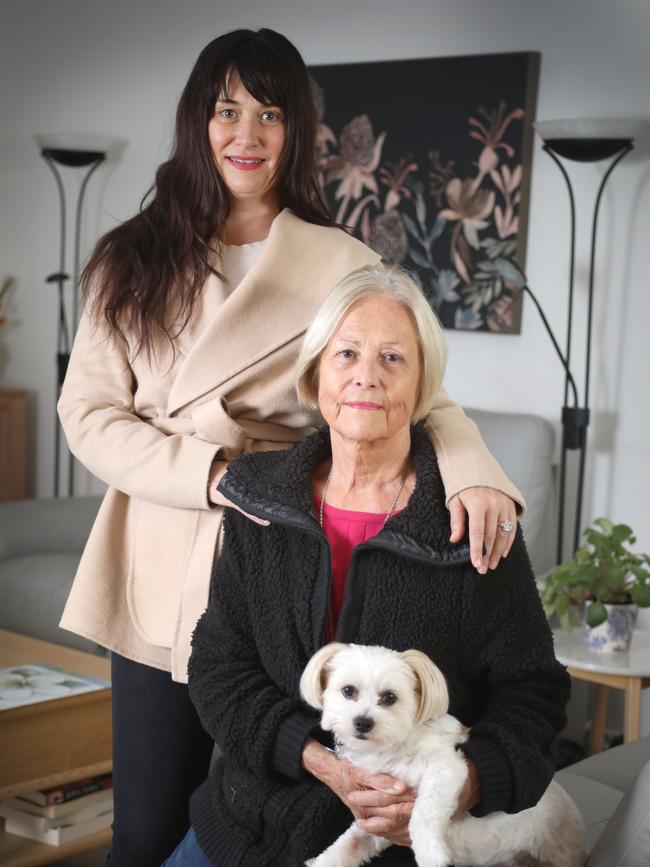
52,742
627,671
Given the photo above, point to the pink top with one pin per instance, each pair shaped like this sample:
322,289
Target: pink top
344,530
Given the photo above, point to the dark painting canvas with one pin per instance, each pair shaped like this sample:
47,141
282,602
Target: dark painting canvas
428,162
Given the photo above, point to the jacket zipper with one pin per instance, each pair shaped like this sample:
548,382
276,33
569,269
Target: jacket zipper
371,543
298,526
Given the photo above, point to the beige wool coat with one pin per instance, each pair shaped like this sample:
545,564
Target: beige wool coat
151,428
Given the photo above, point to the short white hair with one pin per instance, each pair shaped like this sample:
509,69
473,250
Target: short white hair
384,282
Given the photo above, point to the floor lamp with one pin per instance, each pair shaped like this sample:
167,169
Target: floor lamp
581,141
75,152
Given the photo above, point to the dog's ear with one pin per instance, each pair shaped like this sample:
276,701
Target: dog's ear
314,677
432,686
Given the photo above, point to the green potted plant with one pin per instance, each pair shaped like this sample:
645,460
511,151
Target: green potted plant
605,577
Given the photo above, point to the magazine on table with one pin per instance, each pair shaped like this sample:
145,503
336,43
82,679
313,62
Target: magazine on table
21,685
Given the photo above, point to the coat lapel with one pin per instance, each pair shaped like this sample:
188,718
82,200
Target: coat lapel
275,302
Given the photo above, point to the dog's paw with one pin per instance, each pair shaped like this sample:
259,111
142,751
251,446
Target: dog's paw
433,857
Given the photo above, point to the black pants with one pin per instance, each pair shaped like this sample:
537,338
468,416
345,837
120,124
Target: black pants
160,755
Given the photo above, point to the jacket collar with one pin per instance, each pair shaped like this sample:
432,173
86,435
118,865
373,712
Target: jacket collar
274,303
277,486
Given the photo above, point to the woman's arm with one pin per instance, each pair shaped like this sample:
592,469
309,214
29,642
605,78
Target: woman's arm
474,484
103,431
254,722
509,663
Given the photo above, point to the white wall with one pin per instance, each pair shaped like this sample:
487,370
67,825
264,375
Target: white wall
117,68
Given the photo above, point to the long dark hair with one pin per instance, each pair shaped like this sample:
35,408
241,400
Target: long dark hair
145,275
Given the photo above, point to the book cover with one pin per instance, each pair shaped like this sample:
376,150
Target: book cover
53,811
21,685
69,791
61,834
44,823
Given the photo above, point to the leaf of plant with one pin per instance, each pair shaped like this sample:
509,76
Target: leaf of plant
586,574
605,524
641,595
593,536
621,533
596,614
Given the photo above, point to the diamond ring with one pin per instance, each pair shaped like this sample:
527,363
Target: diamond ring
506,526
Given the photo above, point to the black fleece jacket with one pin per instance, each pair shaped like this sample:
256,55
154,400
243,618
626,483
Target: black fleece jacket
408,587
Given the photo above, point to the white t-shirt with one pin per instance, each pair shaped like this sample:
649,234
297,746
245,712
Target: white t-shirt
237,260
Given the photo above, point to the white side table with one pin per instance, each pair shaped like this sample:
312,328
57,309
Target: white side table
627,671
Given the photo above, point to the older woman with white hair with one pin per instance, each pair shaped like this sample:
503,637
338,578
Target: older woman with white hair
356,548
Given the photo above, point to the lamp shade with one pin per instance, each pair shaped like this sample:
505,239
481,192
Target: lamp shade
587,140
74,150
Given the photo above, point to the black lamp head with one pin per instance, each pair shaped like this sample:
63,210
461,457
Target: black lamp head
75,151
587,150
73,158
587,141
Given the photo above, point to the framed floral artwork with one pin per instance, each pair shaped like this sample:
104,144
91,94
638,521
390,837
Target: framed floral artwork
428,161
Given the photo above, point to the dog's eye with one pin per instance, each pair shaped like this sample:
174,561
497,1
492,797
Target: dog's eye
387,698
349,692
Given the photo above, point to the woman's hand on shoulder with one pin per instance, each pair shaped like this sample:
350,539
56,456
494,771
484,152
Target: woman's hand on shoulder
486,509
381,804
217,472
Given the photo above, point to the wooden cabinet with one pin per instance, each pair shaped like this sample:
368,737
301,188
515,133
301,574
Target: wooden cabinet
13,445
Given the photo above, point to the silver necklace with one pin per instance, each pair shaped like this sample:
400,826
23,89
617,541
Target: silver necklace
388,514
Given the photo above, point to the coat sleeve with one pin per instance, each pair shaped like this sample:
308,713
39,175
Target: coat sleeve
255,723
463,457
104,433
521,689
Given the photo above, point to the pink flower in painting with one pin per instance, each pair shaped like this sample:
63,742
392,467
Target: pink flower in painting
499,314
469,207
491,136
440,175
356,163
507,182
396,183
506,221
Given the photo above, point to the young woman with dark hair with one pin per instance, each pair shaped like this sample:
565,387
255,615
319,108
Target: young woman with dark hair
184,359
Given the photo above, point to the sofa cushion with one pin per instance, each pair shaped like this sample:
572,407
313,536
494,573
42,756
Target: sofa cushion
33,592
524,445
626,841
596,802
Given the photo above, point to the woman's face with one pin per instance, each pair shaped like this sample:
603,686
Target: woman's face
246,138
369,372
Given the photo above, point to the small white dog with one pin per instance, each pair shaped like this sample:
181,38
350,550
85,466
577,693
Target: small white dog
388,713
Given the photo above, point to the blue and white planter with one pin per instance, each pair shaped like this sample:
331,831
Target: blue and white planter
614,634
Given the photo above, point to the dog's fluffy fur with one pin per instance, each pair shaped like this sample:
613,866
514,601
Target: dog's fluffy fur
388,713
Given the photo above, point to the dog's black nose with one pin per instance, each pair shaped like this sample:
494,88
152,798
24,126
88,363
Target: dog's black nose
363,724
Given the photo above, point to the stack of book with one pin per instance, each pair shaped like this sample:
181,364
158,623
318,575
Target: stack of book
57,816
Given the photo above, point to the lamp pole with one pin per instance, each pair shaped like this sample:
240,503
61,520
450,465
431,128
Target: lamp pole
56,156
575,420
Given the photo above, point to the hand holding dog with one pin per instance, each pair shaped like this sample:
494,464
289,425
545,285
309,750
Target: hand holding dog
380,804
